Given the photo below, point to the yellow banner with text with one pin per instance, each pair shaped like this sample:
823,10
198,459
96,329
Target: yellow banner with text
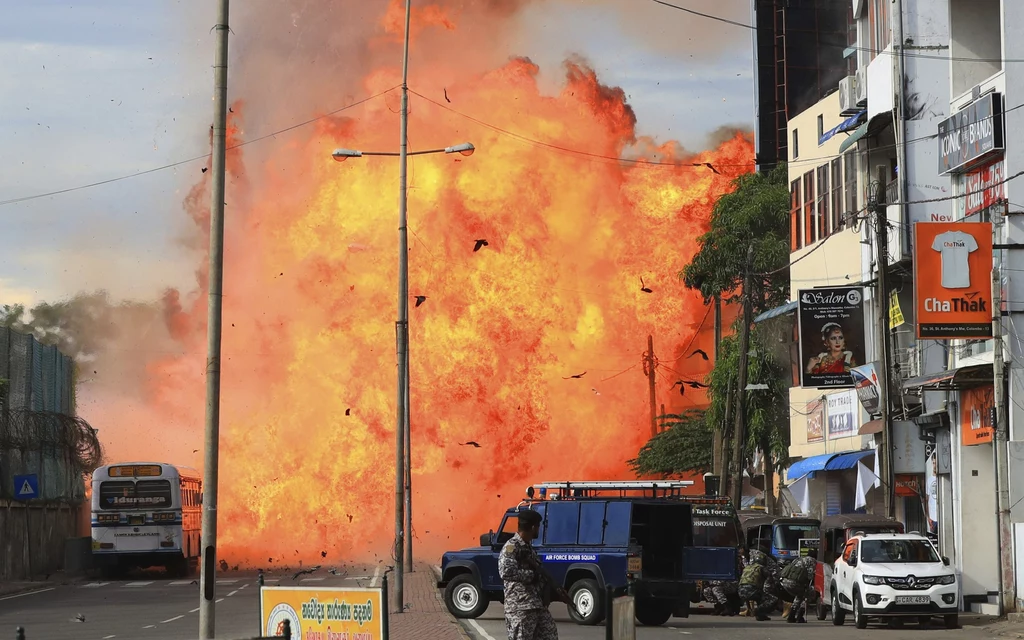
324,613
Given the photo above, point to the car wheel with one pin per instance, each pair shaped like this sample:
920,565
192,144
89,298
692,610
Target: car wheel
859,619
820,610
464,598
838,614
652,613
952,621
587,606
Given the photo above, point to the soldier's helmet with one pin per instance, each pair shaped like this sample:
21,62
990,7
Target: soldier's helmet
758,557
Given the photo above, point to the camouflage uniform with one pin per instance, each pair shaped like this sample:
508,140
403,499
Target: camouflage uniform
798,583
526,616
752,585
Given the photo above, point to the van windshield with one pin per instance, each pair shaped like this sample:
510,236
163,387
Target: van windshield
787,536
897,551
714,526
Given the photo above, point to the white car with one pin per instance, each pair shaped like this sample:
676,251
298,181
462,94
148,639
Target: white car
893,575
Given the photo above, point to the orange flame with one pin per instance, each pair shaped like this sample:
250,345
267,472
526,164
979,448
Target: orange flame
309,308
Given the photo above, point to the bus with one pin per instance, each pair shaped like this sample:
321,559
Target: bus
146,514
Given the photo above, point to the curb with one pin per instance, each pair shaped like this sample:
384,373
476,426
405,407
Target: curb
456,621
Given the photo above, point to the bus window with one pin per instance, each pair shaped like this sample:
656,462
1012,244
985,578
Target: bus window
156,493
787,536
116,494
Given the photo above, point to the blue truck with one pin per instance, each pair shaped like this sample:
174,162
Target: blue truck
635,536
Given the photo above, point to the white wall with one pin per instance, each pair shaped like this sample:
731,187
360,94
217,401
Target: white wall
979,559
975,35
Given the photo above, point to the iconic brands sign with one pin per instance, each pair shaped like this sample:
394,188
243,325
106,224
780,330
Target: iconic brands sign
952,280
970,135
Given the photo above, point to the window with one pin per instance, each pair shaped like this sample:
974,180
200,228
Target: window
879,25
850,169
824,226
837,195
796,144
851,547
715,531
795,228
125,494
888,551
788,536
821,126
563,522
809,208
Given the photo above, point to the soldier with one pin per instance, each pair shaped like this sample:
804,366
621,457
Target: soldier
773,583
752,584
797,578
527,584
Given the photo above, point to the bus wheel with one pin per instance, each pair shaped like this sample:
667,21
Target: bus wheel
177,568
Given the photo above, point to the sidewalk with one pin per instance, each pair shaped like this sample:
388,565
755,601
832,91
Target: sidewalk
12,588
425,614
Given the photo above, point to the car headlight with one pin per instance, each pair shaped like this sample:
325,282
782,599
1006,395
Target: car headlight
873,580
950,579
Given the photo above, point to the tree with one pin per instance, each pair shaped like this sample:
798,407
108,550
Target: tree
683,445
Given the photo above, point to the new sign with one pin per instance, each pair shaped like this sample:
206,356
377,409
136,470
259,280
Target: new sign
970,135
952,280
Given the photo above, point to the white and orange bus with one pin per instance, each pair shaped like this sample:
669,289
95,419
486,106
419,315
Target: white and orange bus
146,514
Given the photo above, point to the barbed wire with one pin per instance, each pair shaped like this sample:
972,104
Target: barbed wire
53,433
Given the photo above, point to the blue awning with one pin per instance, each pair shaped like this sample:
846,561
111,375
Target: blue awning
847,460
800,468
861,131
789,307
846,125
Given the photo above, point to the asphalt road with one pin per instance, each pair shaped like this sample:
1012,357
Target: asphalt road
491,626
150,607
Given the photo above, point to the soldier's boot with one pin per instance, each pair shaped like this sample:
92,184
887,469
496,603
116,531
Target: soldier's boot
718,610
761,614
791,616
800,614
787,608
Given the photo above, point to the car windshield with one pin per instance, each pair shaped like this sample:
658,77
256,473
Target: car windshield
787,536
897,551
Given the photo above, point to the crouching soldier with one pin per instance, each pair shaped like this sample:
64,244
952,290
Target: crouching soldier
796,580
752,584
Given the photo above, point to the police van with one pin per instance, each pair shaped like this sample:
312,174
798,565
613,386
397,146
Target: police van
635,536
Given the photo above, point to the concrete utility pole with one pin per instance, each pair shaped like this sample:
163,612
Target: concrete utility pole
1000,420
882,308
740,430
408,460
207,601
402,325
649,365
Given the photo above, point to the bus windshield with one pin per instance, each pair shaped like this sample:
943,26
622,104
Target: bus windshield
126,494
714,526
787,536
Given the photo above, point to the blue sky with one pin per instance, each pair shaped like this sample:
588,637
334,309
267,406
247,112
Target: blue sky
97,89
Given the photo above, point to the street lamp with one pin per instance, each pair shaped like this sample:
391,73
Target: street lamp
403,450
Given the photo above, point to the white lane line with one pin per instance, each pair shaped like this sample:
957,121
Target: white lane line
227,581
94,585
233,593
178,583
220,599
108,637
476,625
313,579
149,626
376,577
138,584
194,610
27,593
245,586
172,619
272,580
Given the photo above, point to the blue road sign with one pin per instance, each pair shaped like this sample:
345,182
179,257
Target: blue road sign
26,487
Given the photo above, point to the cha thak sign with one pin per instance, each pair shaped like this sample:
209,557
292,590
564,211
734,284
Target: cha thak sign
967,137
831,321
953,280
323,614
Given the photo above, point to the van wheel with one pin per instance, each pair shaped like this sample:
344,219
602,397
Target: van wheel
464,598
652,613
587,606
838,614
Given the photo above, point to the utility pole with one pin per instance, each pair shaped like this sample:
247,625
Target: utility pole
211,457
402,325
882,308
725,481
1007,580
719,435
408,460
649,365
739,431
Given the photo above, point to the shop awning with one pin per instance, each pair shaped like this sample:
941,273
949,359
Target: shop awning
800,468
847,460
789,307
870,428
861,131
975,375
846,125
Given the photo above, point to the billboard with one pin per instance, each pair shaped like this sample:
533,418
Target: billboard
831,323
976,407
972,134
952,280
815,421
842,414
865,378
341,614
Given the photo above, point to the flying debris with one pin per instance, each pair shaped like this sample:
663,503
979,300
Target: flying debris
480,244
471,443
420,300
575,377
699,352
644,287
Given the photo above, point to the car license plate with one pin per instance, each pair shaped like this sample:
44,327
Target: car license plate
913,600
137,520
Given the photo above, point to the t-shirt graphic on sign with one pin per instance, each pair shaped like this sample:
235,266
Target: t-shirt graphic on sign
954,248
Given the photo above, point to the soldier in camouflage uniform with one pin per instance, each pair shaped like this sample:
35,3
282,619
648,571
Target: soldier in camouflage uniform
526,584
752,584
773,584
797,579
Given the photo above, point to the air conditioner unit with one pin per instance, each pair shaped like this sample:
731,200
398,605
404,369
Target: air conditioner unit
861,88
848,96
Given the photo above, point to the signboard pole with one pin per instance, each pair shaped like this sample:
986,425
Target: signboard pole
882,308
1007,600
385,621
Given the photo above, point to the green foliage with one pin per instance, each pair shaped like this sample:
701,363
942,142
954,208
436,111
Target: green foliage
755,214
684,445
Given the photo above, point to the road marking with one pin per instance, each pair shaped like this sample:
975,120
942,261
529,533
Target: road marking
28,593
93,585
272,580
313,579
245,586
138,584
227,581
376,576
220,600
194,610
108,637
149,626
476,625
172,619
178,583
233,593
